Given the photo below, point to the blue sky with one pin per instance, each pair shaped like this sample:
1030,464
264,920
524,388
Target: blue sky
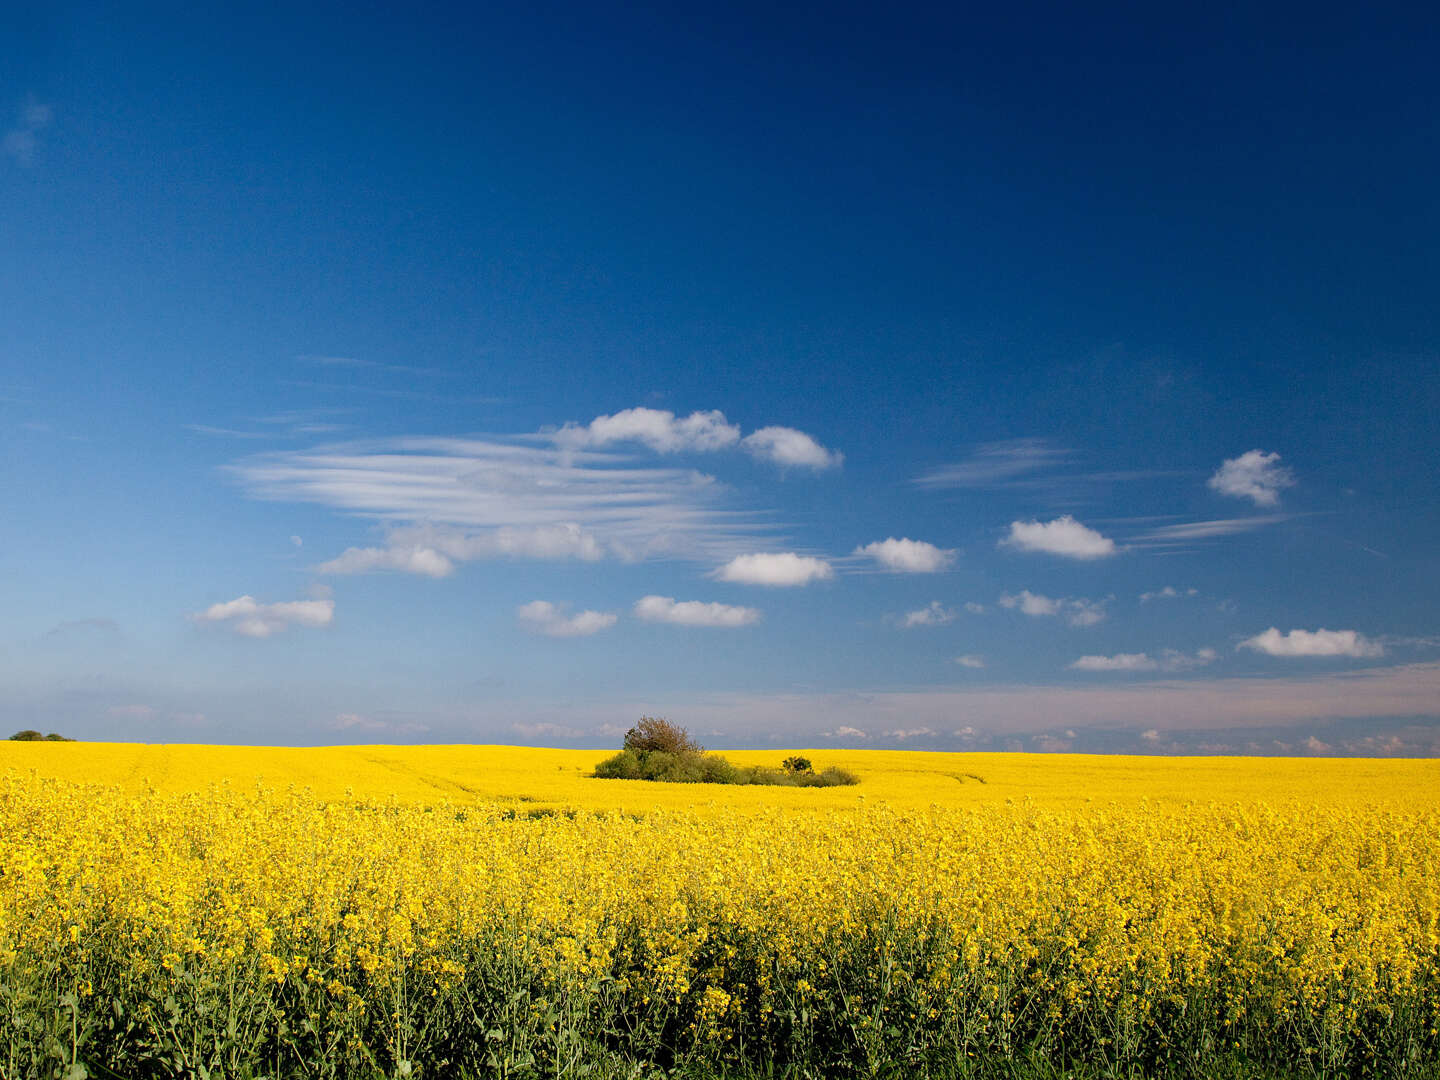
1019,379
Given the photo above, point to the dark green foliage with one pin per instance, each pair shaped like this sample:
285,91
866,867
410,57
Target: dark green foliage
656,749
30,735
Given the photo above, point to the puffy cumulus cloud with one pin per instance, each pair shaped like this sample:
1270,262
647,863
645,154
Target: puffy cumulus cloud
907,556
433,551
1169,660
247,616
1077,611
910,733
845,732
1322,642
1064,536
659,429
970,660
700,432
935,614
781,568
1254,475
786,446
543,617
405,558
667,609
1169,592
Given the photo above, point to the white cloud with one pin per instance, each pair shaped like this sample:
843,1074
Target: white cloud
485,498
996,464
694,612
1320,642
970,660
1169,660
297,541
786,446
908,556
543,617
782,568
1118,662
408,559
1173,660
936,614
974,608
21,141
1189,531
433,551
659,429
1254,475
700,432
245,615
1064,536
1150,735
1169,592
1077,611
910,733
844,732
1031,603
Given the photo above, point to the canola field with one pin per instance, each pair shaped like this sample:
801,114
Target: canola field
494,911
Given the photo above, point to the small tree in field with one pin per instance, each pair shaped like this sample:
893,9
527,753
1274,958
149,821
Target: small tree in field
797,764
653,734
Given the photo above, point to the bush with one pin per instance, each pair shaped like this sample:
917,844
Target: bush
656,749
30,735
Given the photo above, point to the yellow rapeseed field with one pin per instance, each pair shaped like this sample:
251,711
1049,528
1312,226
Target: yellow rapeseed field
446,911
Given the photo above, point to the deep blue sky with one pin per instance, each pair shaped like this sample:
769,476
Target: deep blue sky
260,270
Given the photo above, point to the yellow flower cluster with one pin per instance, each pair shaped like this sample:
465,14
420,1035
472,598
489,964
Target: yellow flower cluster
248,928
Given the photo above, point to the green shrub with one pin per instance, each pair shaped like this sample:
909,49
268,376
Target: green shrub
658,750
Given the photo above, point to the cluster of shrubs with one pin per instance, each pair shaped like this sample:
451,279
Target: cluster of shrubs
34,736
656,749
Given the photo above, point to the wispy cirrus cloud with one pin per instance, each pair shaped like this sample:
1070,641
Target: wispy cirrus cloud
22,140
997,464
442,501
1188,532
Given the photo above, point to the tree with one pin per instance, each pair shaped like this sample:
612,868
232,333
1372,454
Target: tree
654,734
